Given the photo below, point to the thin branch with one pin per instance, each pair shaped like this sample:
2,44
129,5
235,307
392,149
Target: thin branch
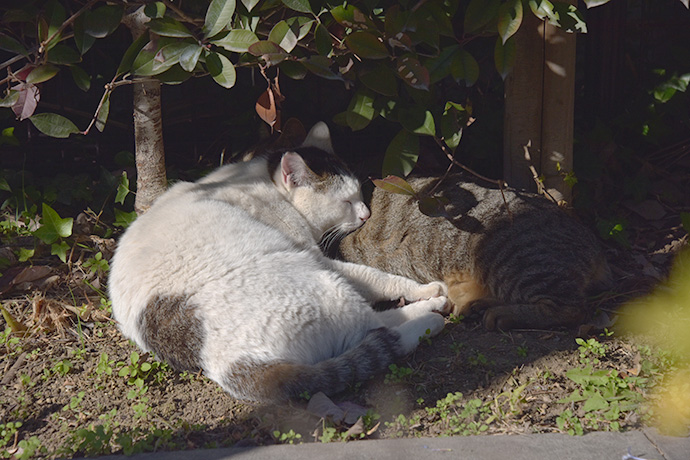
452,159
501,184
540,185
64,25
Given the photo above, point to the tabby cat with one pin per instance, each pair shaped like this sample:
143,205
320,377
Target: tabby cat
516,256
226,275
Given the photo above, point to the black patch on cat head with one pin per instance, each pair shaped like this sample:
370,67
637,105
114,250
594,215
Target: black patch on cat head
325,166
173,331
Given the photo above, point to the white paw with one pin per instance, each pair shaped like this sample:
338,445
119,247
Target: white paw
426,325
435,304
431,290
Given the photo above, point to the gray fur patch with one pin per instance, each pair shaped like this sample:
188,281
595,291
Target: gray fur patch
173,331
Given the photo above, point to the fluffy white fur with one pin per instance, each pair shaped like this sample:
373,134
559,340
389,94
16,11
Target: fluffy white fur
244,247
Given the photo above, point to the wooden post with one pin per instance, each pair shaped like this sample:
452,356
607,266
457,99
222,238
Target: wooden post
539,108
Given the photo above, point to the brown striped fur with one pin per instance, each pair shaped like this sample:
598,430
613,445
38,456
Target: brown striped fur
523,262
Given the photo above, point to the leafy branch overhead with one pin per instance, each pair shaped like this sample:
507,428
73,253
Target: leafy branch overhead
386,53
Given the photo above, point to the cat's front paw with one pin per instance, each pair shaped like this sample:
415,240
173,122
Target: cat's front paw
429,291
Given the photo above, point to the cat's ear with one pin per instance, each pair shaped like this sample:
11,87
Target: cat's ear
294,171
320,137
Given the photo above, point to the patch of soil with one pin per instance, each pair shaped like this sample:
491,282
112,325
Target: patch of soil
69,379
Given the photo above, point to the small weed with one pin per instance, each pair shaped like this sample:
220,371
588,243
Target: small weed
455,319
397,374
455,347
139,370
479,359
287,438
591,350
104,366
569,423
75,401
62,367
97,264
522,351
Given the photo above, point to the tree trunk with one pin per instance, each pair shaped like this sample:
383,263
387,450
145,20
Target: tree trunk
148,130
540,108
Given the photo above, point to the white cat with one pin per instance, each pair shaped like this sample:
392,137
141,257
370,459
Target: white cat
225,275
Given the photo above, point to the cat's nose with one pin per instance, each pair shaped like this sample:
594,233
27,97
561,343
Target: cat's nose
365,214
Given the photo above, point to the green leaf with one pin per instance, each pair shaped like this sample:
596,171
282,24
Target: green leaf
55,15
401,155
453,122
440,66
42,73
593,3
169,27
101,22
174,75
7,137
361,110
155,10
237,40
509,19
62,54
569,18
103,113
417,120
190,56
152,61
25,254
122,188
60,249
124,219
293,69
595,401
8,43
250,4
53,226
350,16
284,36
322,38
54,125
432,206
131,53
412,72
10,99
218,15
321,66
394,184
302,6
544,10
381,79
366,45
504,57
82,40
221,69
465,68
479,13
263,47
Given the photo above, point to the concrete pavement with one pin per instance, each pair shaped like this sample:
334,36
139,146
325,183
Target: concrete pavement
647,445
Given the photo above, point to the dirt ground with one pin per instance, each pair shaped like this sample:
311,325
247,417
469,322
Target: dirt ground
75,386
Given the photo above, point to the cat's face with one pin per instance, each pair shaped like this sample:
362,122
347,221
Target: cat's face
329,197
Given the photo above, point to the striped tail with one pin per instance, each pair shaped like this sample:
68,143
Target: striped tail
279,381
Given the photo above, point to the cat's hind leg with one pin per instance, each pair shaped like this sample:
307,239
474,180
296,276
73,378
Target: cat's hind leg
397,316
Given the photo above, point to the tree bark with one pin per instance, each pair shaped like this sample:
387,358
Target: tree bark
148,130
540,108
